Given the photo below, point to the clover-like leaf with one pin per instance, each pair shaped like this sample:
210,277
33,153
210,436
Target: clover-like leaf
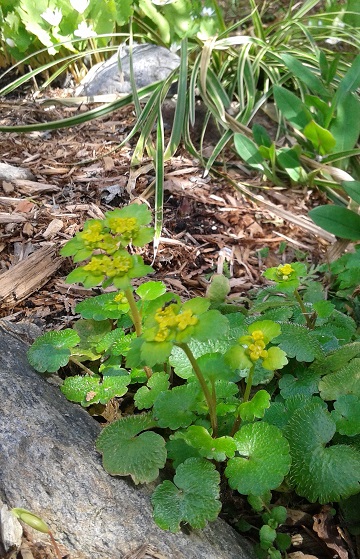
192,498
262,459
101,307
256,407
174,408
214,449
344,381
319,472
347,415
297,341
52,350
127,450
146,395
88,390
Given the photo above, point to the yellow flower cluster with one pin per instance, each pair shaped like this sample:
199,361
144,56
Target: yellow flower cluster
168,320
93,234
126,226
284,272
257,347
116,266
120,298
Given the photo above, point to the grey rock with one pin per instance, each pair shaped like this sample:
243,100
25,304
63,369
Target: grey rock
151,63
48,465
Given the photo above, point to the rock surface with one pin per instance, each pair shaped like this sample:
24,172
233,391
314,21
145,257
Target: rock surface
151,63
48,465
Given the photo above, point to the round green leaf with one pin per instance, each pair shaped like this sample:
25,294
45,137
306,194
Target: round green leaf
91,390
174,408
192,498
347,415
103,306
52,350
256,407
214,449
262,459
344,381
128,451
151,290
146,395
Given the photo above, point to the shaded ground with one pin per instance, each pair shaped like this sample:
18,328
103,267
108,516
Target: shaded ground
209,226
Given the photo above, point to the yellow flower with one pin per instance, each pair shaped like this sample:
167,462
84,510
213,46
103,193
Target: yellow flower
285,271
93,234
120,298
126,226
255,345
168,320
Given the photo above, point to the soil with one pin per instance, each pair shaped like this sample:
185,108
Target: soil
231,220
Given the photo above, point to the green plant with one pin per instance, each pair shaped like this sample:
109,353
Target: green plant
38,524
261,397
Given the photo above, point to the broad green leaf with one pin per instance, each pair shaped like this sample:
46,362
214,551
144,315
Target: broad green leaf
52,350
249,152
261,136
350,82
179,451
297,341
346,414
262,459
289,160
146,395
267,536
305,75
211,326
154,352
214,449
292,108
150,290
192,498
214,367
322,140
174,408
338,358
91,332
352,188
345,127
115,342
255,407
129,451
319,472
88,390
344,381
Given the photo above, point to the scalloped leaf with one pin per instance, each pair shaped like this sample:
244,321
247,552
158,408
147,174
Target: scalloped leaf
192,498
175,408
101,307
87,390
303,381
318,472
146,395
297,341
255,407
52,350
262,459
344,381
338,358
214,449
346,414
127,450
116,342
179,451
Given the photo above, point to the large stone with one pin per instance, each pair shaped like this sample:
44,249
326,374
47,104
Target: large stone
151,63
48,465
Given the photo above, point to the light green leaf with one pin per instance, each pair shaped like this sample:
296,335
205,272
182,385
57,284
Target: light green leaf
276,359
52,350
128,451
262,459
305,75
255,407
146,395
151,290
214,449
108,305
192,498
322,140
88,390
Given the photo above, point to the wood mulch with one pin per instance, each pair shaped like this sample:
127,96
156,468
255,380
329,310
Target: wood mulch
214,223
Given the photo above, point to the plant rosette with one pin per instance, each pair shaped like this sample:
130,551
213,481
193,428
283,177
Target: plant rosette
286,276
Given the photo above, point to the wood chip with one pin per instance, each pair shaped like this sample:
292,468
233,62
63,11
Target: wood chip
29,275
53,228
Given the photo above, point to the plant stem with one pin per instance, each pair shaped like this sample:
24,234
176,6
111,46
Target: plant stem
303,309
54,544
135,315
249,381
211,401
82,366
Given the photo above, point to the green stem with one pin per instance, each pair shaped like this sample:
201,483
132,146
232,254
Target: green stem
211,401
249,382
303,309
82,366
135,315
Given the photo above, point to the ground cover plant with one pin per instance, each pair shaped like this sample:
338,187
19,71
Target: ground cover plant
263,397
